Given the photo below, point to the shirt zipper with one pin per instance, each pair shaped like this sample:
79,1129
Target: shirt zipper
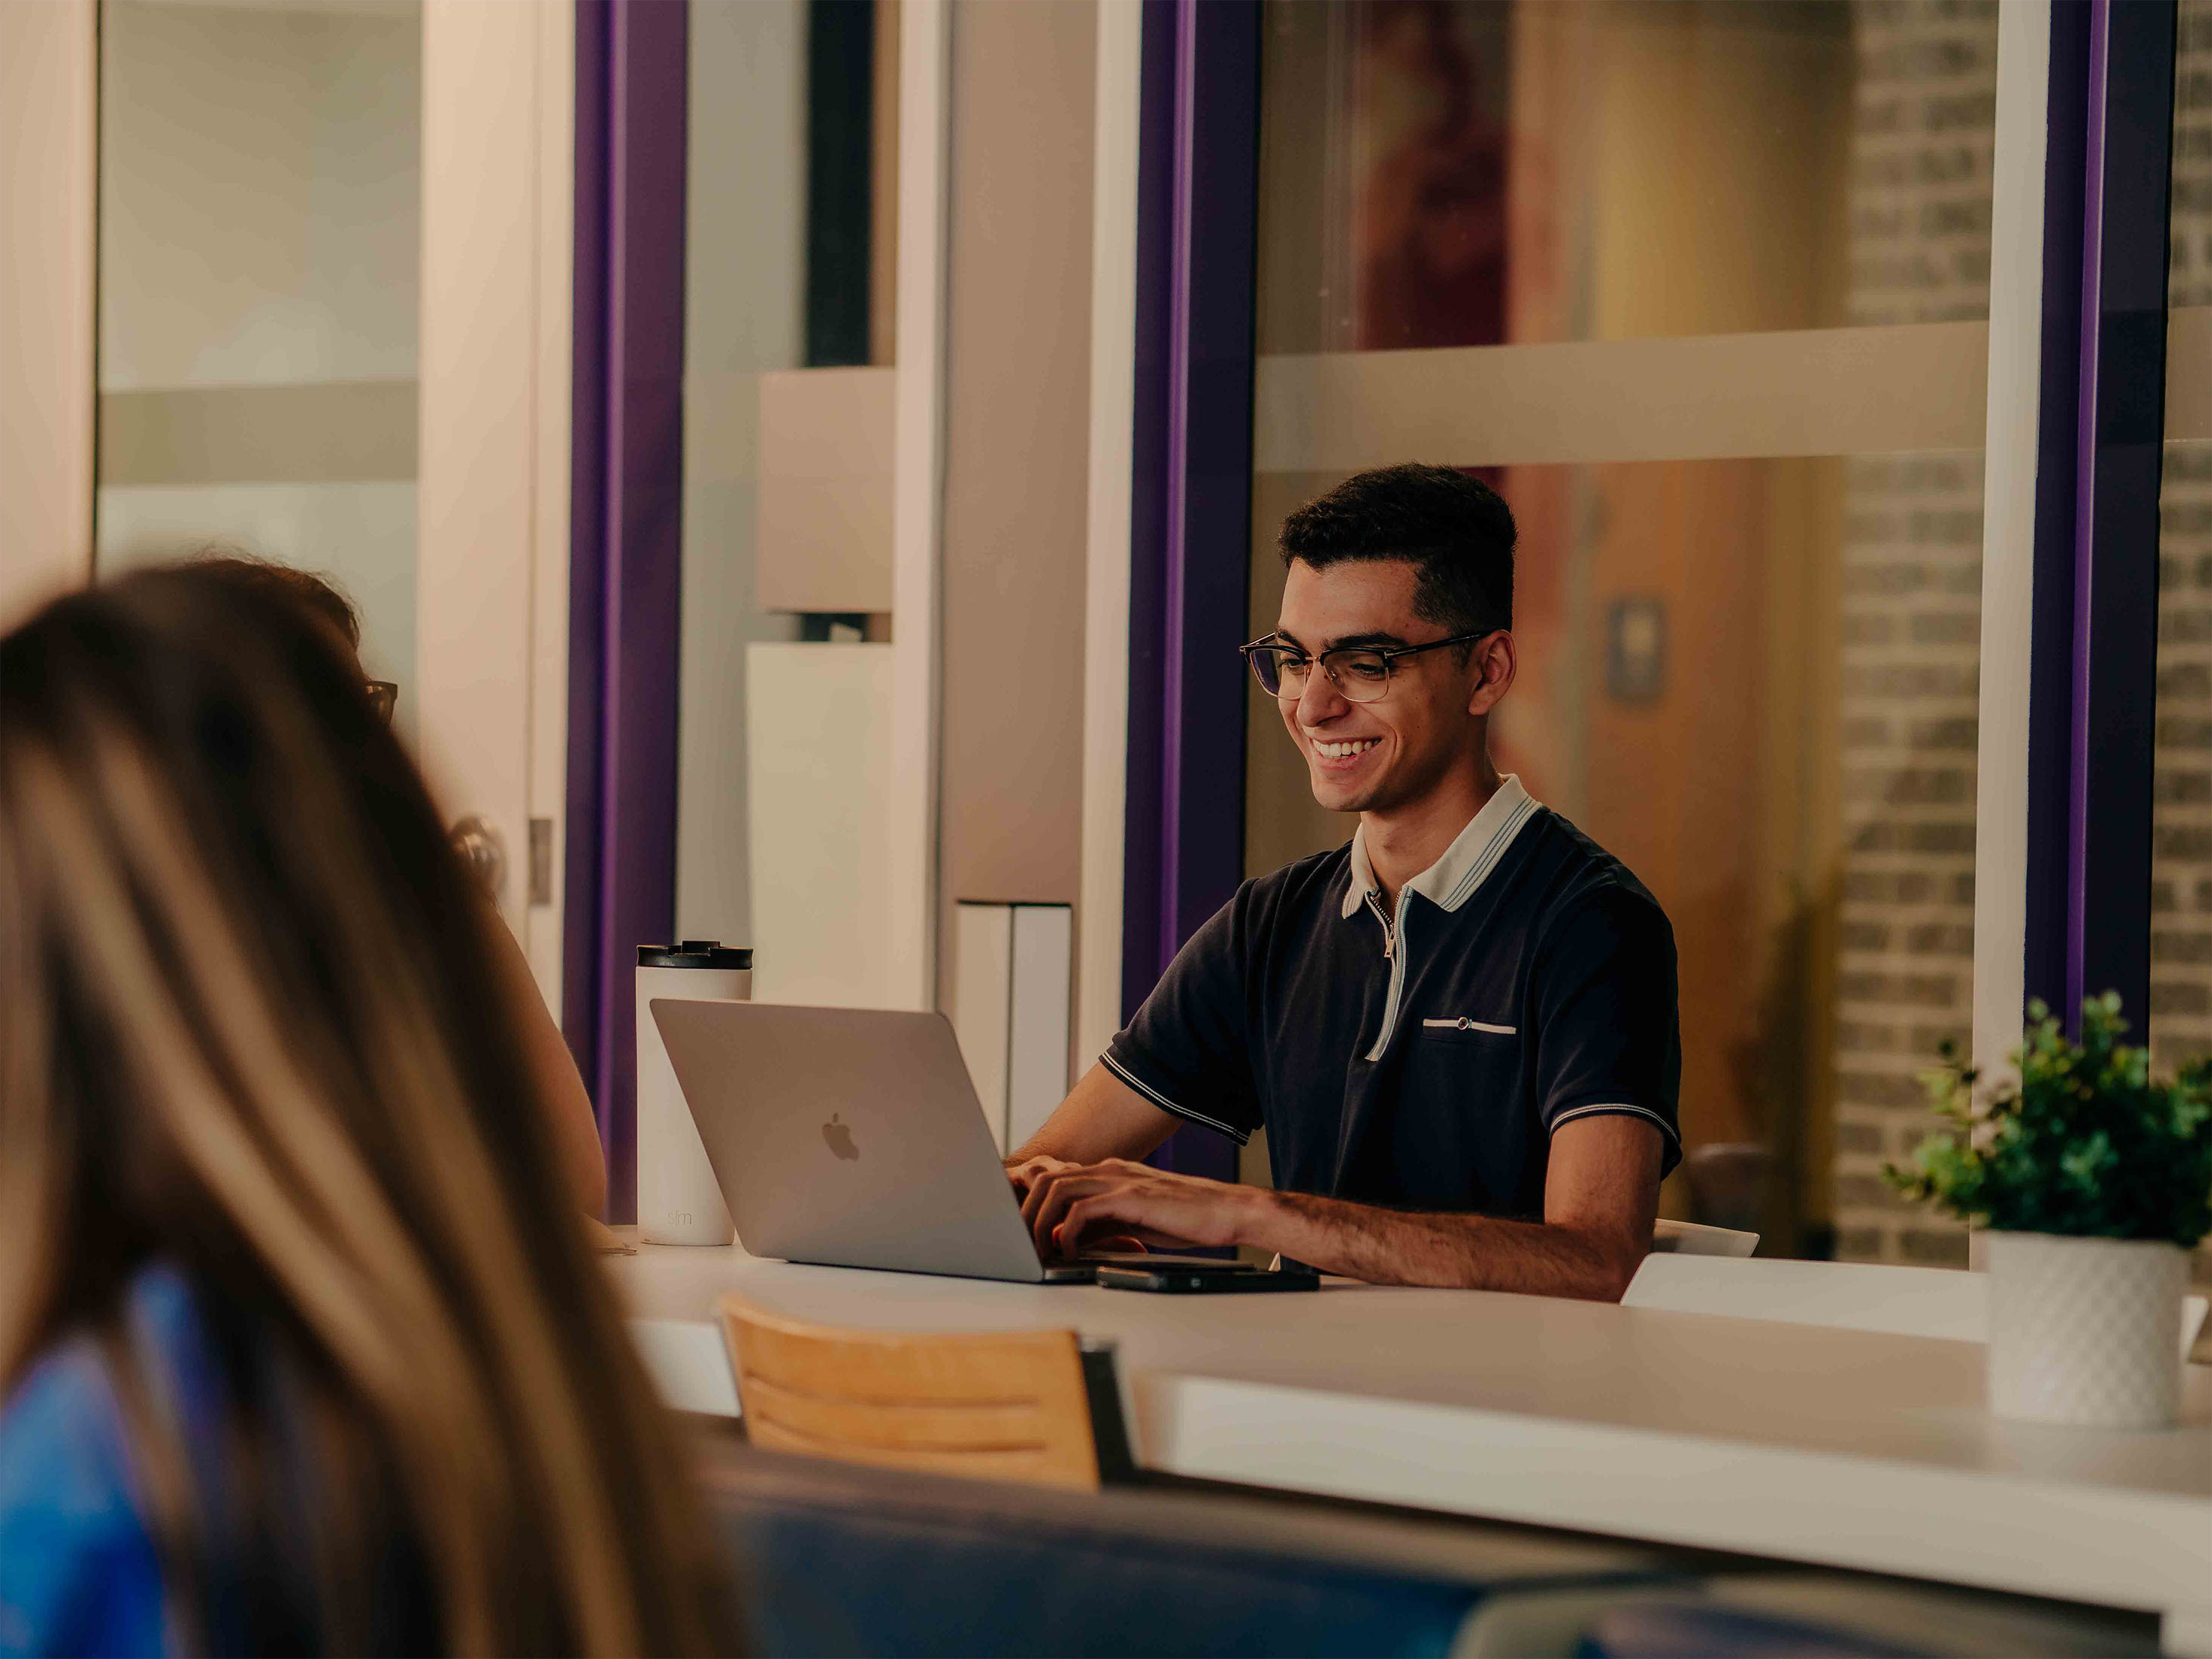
1394,953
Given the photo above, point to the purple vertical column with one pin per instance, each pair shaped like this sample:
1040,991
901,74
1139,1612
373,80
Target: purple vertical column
2050,700
1197,196
2092,739
626,517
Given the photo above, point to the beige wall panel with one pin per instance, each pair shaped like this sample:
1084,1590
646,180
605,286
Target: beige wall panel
549,606
1016,452
1915,386
909,946
2010,457
339,431
824,532
48,76
1106,587
478,489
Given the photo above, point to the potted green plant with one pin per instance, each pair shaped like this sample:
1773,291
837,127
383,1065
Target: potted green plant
2095,1181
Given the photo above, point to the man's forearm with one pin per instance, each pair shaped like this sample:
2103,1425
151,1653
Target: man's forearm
1471,1252
1601,1192
1102,1117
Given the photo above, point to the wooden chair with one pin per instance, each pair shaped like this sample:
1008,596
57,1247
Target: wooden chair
1032,1407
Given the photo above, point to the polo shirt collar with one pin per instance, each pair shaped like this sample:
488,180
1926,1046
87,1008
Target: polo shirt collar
1474,852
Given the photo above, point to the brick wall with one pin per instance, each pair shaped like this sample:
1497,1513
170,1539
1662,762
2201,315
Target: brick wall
2181,816
1919,230
2181,820
1919,235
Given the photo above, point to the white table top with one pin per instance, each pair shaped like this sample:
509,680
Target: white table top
1842,1446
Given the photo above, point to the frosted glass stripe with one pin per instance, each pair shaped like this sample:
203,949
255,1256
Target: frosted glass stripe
328,432
1813,392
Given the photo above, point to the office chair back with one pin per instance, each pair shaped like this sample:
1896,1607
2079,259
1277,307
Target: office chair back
999,1406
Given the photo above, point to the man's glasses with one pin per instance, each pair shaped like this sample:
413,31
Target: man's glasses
383,697
1360,673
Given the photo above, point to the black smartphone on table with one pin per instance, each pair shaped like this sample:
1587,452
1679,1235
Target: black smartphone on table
1210,1279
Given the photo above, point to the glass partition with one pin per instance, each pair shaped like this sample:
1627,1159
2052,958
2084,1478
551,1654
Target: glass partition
790,226
259,241
1702,289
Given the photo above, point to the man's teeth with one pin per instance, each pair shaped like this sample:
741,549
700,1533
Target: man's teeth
1345,751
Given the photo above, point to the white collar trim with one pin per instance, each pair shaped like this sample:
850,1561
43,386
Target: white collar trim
1474,852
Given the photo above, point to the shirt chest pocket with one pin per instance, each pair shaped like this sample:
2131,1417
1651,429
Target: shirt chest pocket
1463,1136
1464,1029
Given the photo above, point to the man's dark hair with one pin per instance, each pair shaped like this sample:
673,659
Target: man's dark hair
1452,527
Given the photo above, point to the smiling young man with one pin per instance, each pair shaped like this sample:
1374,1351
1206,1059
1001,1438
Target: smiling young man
1459,1031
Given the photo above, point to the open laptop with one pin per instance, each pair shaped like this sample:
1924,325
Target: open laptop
849,1136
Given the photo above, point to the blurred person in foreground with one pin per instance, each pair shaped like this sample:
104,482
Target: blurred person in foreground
300,1346
560,1087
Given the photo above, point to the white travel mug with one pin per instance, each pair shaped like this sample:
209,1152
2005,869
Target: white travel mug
678,1199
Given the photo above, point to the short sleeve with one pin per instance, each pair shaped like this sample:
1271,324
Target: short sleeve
1188,1051
1608,1030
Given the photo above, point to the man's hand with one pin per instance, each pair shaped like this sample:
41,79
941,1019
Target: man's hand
1069,1207
1024,1173
1599,1197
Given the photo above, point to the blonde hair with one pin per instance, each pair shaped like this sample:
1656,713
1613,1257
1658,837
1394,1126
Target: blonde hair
250,1028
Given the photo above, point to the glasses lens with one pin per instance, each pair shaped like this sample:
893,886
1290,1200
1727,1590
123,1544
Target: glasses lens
1360,676
383,697
1280,671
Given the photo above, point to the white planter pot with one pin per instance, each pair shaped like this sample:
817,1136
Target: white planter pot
2085,1331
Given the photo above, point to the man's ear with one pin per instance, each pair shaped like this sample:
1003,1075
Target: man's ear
1498,660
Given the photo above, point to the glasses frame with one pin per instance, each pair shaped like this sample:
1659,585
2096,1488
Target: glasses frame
1389,653
383,697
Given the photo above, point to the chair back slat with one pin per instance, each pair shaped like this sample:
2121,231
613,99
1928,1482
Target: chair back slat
1027,1469
999,1406
942,1424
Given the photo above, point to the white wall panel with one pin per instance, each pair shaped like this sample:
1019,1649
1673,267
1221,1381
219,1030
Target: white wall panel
982,1003
1036,1047
819,735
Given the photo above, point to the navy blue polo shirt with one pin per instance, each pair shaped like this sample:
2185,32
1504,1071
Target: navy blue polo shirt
1422,1061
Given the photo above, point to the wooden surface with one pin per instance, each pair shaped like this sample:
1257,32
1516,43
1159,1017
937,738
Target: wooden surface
1846,1448
999,1406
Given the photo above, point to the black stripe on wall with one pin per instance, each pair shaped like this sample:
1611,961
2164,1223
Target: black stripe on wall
841,52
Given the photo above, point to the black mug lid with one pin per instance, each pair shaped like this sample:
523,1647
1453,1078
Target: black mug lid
694,953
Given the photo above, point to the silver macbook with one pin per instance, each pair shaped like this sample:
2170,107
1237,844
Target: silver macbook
849,1136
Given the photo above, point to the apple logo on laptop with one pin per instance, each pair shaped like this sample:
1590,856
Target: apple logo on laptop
840,1137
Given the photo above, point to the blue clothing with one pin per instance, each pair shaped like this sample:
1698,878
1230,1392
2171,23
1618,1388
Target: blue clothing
79,1572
